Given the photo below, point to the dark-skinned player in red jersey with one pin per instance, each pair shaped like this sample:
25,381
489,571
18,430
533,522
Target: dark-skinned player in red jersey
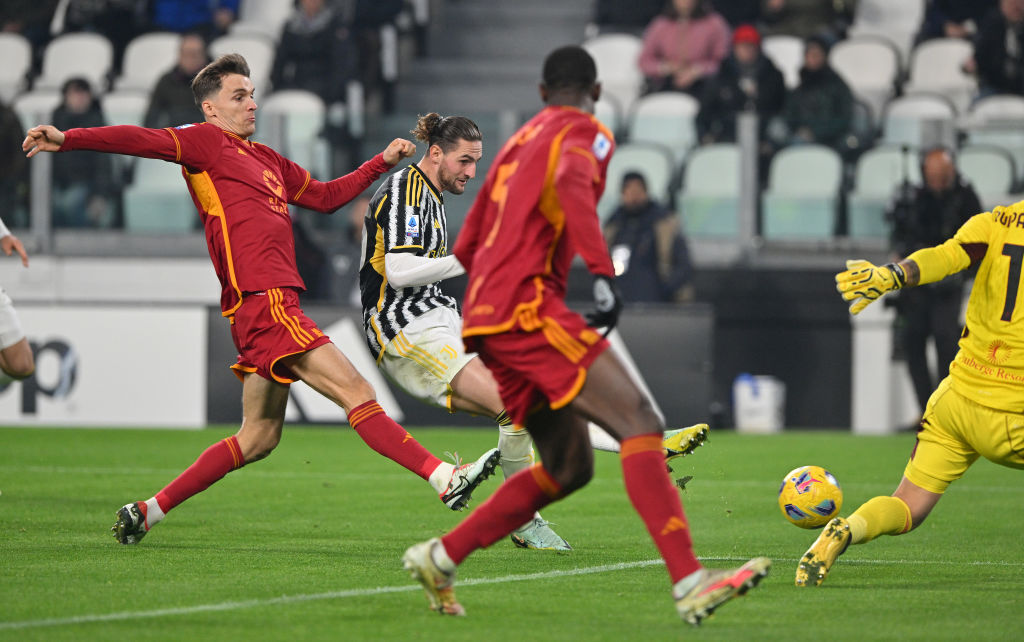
535,211
242,191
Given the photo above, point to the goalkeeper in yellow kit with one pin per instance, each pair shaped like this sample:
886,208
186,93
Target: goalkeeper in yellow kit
976,411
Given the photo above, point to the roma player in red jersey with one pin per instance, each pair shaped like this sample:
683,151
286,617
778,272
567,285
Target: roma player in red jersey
242,190
536,210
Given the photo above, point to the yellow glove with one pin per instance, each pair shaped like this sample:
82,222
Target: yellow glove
863,282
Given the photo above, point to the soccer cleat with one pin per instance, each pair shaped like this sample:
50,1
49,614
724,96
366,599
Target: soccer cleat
130,526
819,558
718,586
681,442
437,583
539,536
466,477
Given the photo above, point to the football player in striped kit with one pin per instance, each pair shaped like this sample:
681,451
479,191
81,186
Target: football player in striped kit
414,330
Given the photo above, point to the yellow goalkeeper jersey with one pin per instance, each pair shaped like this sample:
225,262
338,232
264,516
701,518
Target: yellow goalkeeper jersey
989,368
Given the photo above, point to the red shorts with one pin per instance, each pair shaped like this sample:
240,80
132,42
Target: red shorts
269,326
543,361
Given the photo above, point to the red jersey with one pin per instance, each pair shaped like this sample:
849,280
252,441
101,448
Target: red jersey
242,191
537,209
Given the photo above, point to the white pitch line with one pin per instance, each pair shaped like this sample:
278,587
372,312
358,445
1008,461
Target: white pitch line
380,590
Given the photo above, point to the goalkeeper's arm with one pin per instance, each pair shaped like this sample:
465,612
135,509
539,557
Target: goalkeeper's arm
863,282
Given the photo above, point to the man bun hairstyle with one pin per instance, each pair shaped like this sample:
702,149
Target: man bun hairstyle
445,131
207,81
569,68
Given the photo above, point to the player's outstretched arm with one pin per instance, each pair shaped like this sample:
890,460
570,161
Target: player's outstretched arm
863,282
42,138
397,150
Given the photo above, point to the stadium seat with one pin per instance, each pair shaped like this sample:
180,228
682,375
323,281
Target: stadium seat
708,198
992,172
157,200
652,160
877,176
292,122
787,52
896,20
146,58
16,52
608,113
88,55
258,52
263,18
999,120
35,107
668,118
937,66
616,56
870,66
125,107
919,120
803,191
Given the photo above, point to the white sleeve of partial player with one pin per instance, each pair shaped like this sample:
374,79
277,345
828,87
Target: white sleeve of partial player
3,230
405,270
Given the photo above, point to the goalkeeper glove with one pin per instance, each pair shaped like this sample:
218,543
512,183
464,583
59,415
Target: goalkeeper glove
863,282
607,304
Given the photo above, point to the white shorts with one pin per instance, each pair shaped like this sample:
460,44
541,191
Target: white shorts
10,326
426,355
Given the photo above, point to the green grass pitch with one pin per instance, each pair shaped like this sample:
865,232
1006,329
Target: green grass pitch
306,545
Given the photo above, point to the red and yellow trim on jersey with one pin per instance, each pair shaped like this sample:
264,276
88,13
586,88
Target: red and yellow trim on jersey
277,312
566,399
273,366
177,144
240,371
209,200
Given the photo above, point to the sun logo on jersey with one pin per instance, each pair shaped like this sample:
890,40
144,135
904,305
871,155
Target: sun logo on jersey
998,351
273,183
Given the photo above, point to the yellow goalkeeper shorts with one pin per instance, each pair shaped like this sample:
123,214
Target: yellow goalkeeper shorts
956,431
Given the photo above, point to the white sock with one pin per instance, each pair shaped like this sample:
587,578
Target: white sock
441,476
516,450
440,557
154,514
601,440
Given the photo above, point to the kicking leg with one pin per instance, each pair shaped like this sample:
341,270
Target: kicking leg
16,361
263,406
330,373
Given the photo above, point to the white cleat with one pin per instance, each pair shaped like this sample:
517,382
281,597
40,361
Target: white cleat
539,536
437,583
466,477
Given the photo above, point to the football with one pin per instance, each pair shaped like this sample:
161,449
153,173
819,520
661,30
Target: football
810,496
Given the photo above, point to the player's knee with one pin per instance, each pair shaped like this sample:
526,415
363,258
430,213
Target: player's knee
19,365
575,475
258,442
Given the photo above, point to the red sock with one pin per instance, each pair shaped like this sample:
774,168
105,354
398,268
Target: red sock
511,506
657,501
215,462
381,433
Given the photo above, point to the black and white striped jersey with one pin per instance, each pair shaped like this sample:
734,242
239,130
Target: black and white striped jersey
406,214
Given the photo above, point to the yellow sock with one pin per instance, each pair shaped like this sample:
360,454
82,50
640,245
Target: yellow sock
879,516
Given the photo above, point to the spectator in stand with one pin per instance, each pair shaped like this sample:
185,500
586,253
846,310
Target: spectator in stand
683,47
616,16
649,253
367,20
209,17
999,50
13,170
315,52
738,12
805,18
30,18
820,109
83,184
172,102
746,81
953,18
